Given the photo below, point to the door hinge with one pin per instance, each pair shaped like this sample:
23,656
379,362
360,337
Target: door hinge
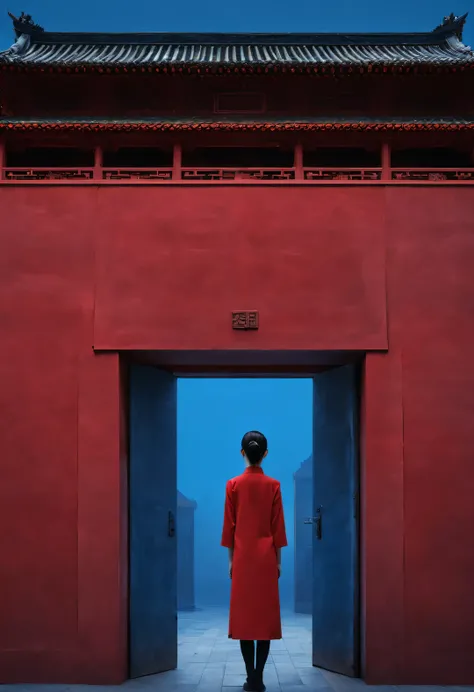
355,498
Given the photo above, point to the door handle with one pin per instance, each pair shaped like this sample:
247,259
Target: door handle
317,521
319,528
171,525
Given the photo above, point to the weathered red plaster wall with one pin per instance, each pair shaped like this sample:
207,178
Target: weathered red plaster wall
431,291
174,263
419,477
162,268
62,596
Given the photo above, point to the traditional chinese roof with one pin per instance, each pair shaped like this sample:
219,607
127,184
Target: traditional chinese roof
34,47
243,125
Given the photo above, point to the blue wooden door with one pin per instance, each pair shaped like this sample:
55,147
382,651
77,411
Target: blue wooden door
153,551
335,521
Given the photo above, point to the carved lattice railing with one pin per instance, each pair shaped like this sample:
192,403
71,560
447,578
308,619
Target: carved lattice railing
349,174
98,175
237,174
145,174
433,175
37,174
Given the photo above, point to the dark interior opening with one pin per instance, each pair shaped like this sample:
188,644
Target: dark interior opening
437,157
50,157
245,157
139,157
344,157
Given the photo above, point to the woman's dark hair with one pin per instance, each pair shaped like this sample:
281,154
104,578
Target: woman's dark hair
254,445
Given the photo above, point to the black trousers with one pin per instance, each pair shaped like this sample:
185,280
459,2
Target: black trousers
247,648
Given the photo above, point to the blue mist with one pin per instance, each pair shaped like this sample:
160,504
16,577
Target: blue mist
213,414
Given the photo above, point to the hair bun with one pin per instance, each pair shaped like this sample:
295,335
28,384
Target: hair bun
254,445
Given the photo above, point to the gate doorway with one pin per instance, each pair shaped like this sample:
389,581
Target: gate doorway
153,632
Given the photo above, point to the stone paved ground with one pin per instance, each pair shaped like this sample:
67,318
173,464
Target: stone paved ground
210,662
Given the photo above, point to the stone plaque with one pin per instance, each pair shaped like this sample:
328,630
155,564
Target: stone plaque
245,319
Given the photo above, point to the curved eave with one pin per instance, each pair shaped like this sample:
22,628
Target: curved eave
447,125
246,68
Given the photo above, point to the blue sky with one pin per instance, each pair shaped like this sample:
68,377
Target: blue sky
245,15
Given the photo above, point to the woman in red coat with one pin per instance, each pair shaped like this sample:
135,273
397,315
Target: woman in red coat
254,533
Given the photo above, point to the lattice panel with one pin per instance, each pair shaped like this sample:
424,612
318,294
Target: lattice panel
155,174
342,174
237,174
48,174
433,175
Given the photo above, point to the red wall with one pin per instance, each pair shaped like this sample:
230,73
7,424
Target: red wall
174,263
73,95
328,268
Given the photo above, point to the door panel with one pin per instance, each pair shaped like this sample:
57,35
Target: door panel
153,545
335,521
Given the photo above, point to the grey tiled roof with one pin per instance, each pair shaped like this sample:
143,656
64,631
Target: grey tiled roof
36,47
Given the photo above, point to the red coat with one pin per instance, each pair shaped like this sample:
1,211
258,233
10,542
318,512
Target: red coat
255,527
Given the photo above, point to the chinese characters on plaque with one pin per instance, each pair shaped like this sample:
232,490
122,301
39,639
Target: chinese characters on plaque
245,319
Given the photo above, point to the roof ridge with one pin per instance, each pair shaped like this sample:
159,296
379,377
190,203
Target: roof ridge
451,25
